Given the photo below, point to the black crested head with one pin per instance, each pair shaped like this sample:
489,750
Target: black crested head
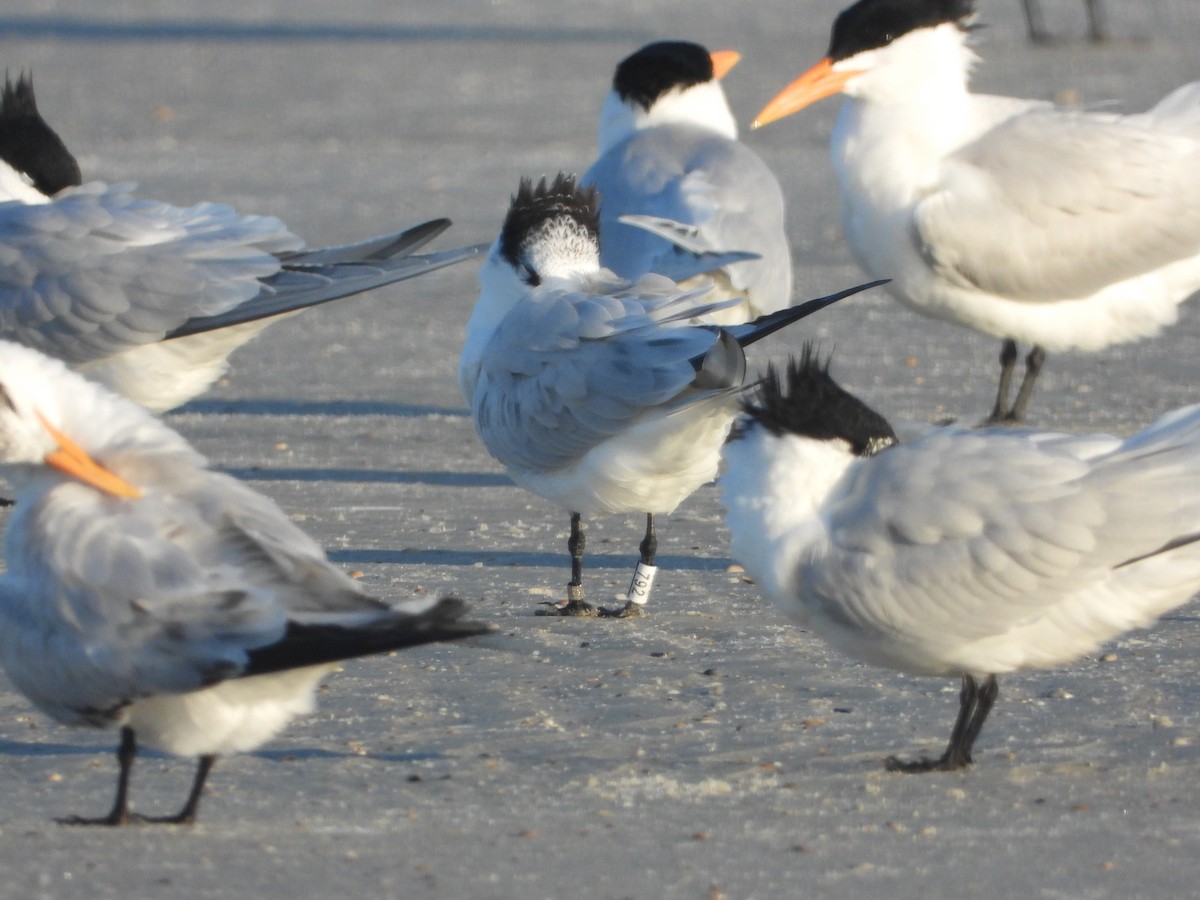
535,209
660,67
813,405
871,24
29,145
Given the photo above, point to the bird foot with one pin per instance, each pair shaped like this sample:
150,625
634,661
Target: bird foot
576,608
114,820
110,820
629,610
944,763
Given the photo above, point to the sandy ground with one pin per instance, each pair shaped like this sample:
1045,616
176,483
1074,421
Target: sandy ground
708,750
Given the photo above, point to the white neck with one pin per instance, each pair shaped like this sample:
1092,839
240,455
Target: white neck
702,105
14,186
903,115
499,292
773,491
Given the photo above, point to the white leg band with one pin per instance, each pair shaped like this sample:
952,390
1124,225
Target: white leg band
643,581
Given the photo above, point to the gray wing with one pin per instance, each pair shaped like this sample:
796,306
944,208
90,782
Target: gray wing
1055,205
96,270
688,175
969,533
566,369
308,281
109,602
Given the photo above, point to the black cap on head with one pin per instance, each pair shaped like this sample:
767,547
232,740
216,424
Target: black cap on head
658,68
534,207
29,145
871,24
813,405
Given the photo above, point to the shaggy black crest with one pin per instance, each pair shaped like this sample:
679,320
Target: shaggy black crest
29,145
533,206
657,68
870,24
813,405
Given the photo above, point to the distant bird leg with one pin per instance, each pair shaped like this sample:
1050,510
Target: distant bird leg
1035,22
1002,413
1033,367
187,815
1097,22
975,702
119,815
574,605
1008,361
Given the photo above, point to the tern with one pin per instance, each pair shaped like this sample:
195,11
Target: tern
1066,230
599,394
965,552
148,298
670,157
145,591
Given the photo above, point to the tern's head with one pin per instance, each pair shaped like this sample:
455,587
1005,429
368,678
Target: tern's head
884,48
54,422
34,162
668,82
806,402
551,231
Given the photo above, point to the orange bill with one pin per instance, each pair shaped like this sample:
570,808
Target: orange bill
817,83
71,459
723,61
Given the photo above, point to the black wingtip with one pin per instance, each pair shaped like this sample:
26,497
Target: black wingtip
767,325
310,645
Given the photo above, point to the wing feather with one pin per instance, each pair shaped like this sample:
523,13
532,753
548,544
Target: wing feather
1054,205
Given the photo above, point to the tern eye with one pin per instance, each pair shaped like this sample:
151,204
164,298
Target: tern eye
529,276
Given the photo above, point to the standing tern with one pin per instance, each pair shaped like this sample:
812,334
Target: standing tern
965,552
597,393
670,157
144,590
1067,230
148,298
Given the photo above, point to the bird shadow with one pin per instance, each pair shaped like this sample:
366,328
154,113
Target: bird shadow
268,406
520,559
371,476
87,28
46,749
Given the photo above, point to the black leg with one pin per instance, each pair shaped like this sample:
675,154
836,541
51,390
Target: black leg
1097,21
119,815
574,605
643,577
649,545
1034,22
1033,368
975,702
187,815
1008,361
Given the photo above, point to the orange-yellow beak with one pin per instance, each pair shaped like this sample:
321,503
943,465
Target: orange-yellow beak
71,459
817,83
723,61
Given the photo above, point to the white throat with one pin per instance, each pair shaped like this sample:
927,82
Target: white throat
701,105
